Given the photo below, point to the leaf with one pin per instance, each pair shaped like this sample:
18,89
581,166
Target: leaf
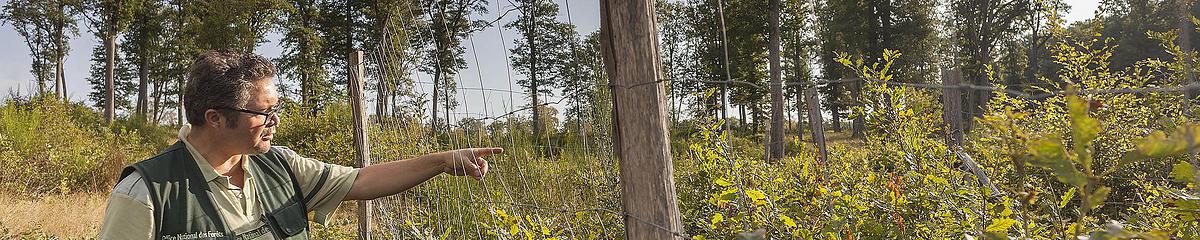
756,196
1159,145
1097,197
728,194
1084,128
722,182
717,218
1066,198
1183,172
1049,153
787,220
1000,225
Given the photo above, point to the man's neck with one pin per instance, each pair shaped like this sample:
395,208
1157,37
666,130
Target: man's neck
224,162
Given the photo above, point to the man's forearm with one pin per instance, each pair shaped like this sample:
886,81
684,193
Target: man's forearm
394,177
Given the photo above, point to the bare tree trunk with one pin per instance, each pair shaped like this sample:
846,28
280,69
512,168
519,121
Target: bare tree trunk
110,45
799,116
60,76
143,88
725,57
437,78
60,53
836,117
776,142
533,76
742,121
156,105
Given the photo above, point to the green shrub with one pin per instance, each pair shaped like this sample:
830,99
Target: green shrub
47,146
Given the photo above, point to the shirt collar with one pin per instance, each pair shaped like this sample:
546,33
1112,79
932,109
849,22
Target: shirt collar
206,169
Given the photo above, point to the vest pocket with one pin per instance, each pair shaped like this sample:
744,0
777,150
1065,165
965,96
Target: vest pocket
288,220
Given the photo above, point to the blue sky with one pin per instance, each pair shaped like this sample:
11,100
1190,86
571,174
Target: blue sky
491,71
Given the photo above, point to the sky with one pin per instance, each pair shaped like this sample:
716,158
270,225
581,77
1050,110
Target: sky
488,70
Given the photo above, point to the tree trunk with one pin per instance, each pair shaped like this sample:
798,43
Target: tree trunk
155,105
799,116
742,120
836,117
143,88
59,76
110,45
60,53
533,71
725,58
776,142
437,78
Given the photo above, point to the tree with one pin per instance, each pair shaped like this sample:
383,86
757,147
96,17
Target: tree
775,144
449,24
143,47
303,59
676,55
106,19
979,26
797,46
585,80
103,90
47,27
388,33
866,29
541,56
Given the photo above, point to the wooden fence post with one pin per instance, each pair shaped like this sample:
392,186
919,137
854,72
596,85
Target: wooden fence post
630,47
952,106
362,149
816,122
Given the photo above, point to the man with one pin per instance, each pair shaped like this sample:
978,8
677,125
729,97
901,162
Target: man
224,180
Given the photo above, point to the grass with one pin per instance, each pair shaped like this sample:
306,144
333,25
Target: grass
71,216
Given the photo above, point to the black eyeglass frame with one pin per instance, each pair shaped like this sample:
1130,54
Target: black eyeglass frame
271,114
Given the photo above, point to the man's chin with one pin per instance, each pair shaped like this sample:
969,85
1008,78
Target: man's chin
262,148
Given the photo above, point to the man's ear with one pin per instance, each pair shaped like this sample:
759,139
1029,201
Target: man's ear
214,119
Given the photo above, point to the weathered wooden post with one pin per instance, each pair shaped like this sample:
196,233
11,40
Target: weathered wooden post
816,121
630,45
952,106
953,116
362,149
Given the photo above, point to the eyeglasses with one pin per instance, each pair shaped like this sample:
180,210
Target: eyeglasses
272,114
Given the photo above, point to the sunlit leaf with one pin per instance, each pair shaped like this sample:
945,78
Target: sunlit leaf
1000,225
722,182
1049,153
1183,172
1066,198
787,220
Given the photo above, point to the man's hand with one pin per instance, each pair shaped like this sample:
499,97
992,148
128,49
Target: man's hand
468,162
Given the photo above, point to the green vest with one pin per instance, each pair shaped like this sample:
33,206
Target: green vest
183,208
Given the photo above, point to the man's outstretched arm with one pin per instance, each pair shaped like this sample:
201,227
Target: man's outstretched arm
390,178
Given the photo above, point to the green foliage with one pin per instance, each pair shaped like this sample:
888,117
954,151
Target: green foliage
47,146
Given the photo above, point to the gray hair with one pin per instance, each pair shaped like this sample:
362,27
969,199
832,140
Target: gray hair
222,79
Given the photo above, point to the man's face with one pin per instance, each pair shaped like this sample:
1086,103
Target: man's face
251,134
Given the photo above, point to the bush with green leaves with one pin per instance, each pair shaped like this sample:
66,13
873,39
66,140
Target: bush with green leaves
49,146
